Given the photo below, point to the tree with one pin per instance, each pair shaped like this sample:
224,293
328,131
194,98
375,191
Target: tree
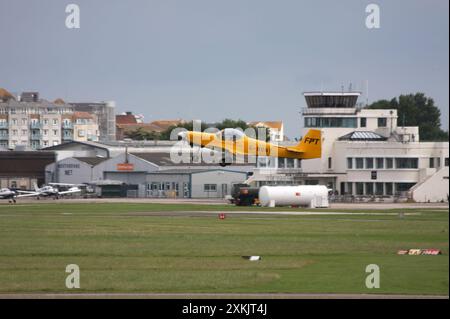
140,134
227,123
416,110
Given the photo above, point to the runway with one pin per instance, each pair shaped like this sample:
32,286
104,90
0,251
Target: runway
219,201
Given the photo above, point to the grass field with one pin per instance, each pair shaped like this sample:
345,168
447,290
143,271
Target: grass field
151,248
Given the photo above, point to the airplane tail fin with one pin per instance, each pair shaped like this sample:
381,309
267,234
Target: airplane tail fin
35,186
310,145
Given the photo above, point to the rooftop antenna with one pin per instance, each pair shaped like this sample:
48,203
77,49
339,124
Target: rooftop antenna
350,87
367,92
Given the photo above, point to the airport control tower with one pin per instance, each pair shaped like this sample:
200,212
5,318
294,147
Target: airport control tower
338,114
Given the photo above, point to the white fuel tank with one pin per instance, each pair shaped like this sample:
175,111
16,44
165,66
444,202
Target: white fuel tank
301,195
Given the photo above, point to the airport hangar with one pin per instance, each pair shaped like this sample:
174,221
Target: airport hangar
141,169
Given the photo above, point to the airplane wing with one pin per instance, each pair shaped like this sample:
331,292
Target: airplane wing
70,191
26,192
27,195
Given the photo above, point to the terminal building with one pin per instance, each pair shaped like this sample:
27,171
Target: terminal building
366,155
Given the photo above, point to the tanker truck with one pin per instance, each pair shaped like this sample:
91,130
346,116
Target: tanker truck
311,196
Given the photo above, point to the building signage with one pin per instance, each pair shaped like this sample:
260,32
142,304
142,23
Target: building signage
125,167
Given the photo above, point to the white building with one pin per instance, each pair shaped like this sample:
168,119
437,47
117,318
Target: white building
365,154
149,174
275,129
31,122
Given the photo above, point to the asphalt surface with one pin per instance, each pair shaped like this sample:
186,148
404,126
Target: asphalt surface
215,201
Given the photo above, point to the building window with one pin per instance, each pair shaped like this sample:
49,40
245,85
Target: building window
438,162
379,189
431,164
369,162
389,189
210,187
389,163
382,122
369,188
359,188
406,162
330,122
363,122
55,122
349,162
446,161
359,163
68,172
403,187
55,132
350,188
329,162
380,162
290,163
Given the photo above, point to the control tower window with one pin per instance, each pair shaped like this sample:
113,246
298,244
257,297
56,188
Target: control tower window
330,122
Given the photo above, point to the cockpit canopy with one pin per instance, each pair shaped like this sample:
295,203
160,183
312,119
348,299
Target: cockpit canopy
230,134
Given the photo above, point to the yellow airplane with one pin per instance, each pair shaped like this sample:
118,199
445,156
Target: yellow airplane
237,143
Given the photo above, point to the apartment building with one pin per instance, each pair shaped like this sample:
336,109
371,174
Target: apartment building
31,122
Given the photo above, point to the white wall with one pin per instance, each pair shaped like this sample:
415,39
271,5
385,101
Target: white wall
434,189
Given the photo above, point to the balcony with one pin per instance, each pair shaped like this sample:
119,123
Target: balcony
4,137
4,124
67,137
35,137
35,125
67,125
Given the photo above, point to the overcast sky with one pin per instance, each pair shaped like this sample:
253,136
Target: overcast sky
213,59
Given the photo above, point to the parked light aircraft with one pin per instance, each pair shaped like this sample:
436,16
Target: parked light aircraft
236,142
50,190
11,195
